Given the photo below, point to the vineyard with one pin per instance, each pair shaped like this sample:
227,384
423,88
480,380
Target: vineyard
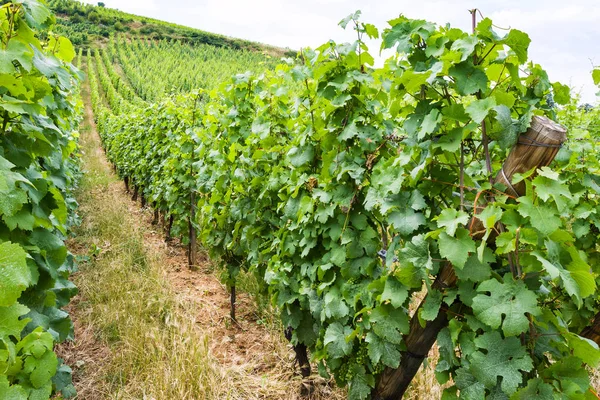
445,202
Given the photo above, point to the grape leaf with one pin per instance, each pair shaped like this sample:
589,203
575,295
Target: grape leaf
465,46
478,110
382,350
596,76
536,389
475,270
470,387
406,221
15,276
432,305
360,386
417,252
10,322
541,216
518,41
469,79
503,358
451,219
395,292
335,340
507,304
389,323
456,249
8,392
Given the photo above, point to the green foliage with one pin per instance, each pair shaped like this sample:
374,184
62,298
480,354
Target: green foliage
38,118
302,174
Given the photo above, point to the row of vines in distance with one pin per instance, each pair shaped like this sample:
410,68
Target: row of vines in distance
302,175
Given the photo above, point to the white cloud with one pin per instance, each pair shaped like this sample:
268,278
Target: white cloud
564,35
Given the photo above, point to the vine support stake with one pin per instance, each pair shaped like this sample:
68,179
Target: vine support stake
303,362
232,299
192,253
168,228
536,148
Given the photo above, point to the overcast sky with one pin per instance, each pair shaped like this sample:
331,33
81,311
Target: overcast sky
565,34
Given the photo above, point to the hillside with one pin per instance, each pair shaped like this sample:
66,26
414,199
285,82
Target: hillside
86,25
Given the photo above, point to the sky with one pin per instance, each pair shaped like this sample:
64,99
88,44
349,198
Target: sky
565,35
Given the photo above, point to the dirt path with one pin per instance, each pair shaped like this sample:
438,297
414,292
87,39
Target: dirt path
253,359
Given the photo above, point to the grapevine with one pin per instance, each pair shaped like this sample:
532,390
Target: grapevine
303,174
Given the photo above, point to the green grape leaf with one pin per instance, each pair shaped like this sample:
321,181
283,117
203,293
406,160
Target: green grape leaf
596,76
15,275
571,374
576,278
519,43
18,51
536,389
585,349
335,340
550,187
63,381
382,350
562,93
432,305
541,216
476,270
417,252
508,129
42,368
301,156
389,323
478,110
503,358
395,292
361,384
8,392
470,387
451,219
469,79
456,249
406,221
37,13
507,304
335,307
10,322
465,46
430,123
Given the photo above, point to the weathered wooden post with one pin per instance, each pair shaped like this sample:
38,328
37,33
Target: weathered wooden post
192,232
592,332
535,148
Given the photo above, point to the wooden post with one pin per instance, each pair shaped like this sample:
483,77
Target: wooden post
592,332
192,237
156,213
126,181
232,299
535,148
168,228
303,362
